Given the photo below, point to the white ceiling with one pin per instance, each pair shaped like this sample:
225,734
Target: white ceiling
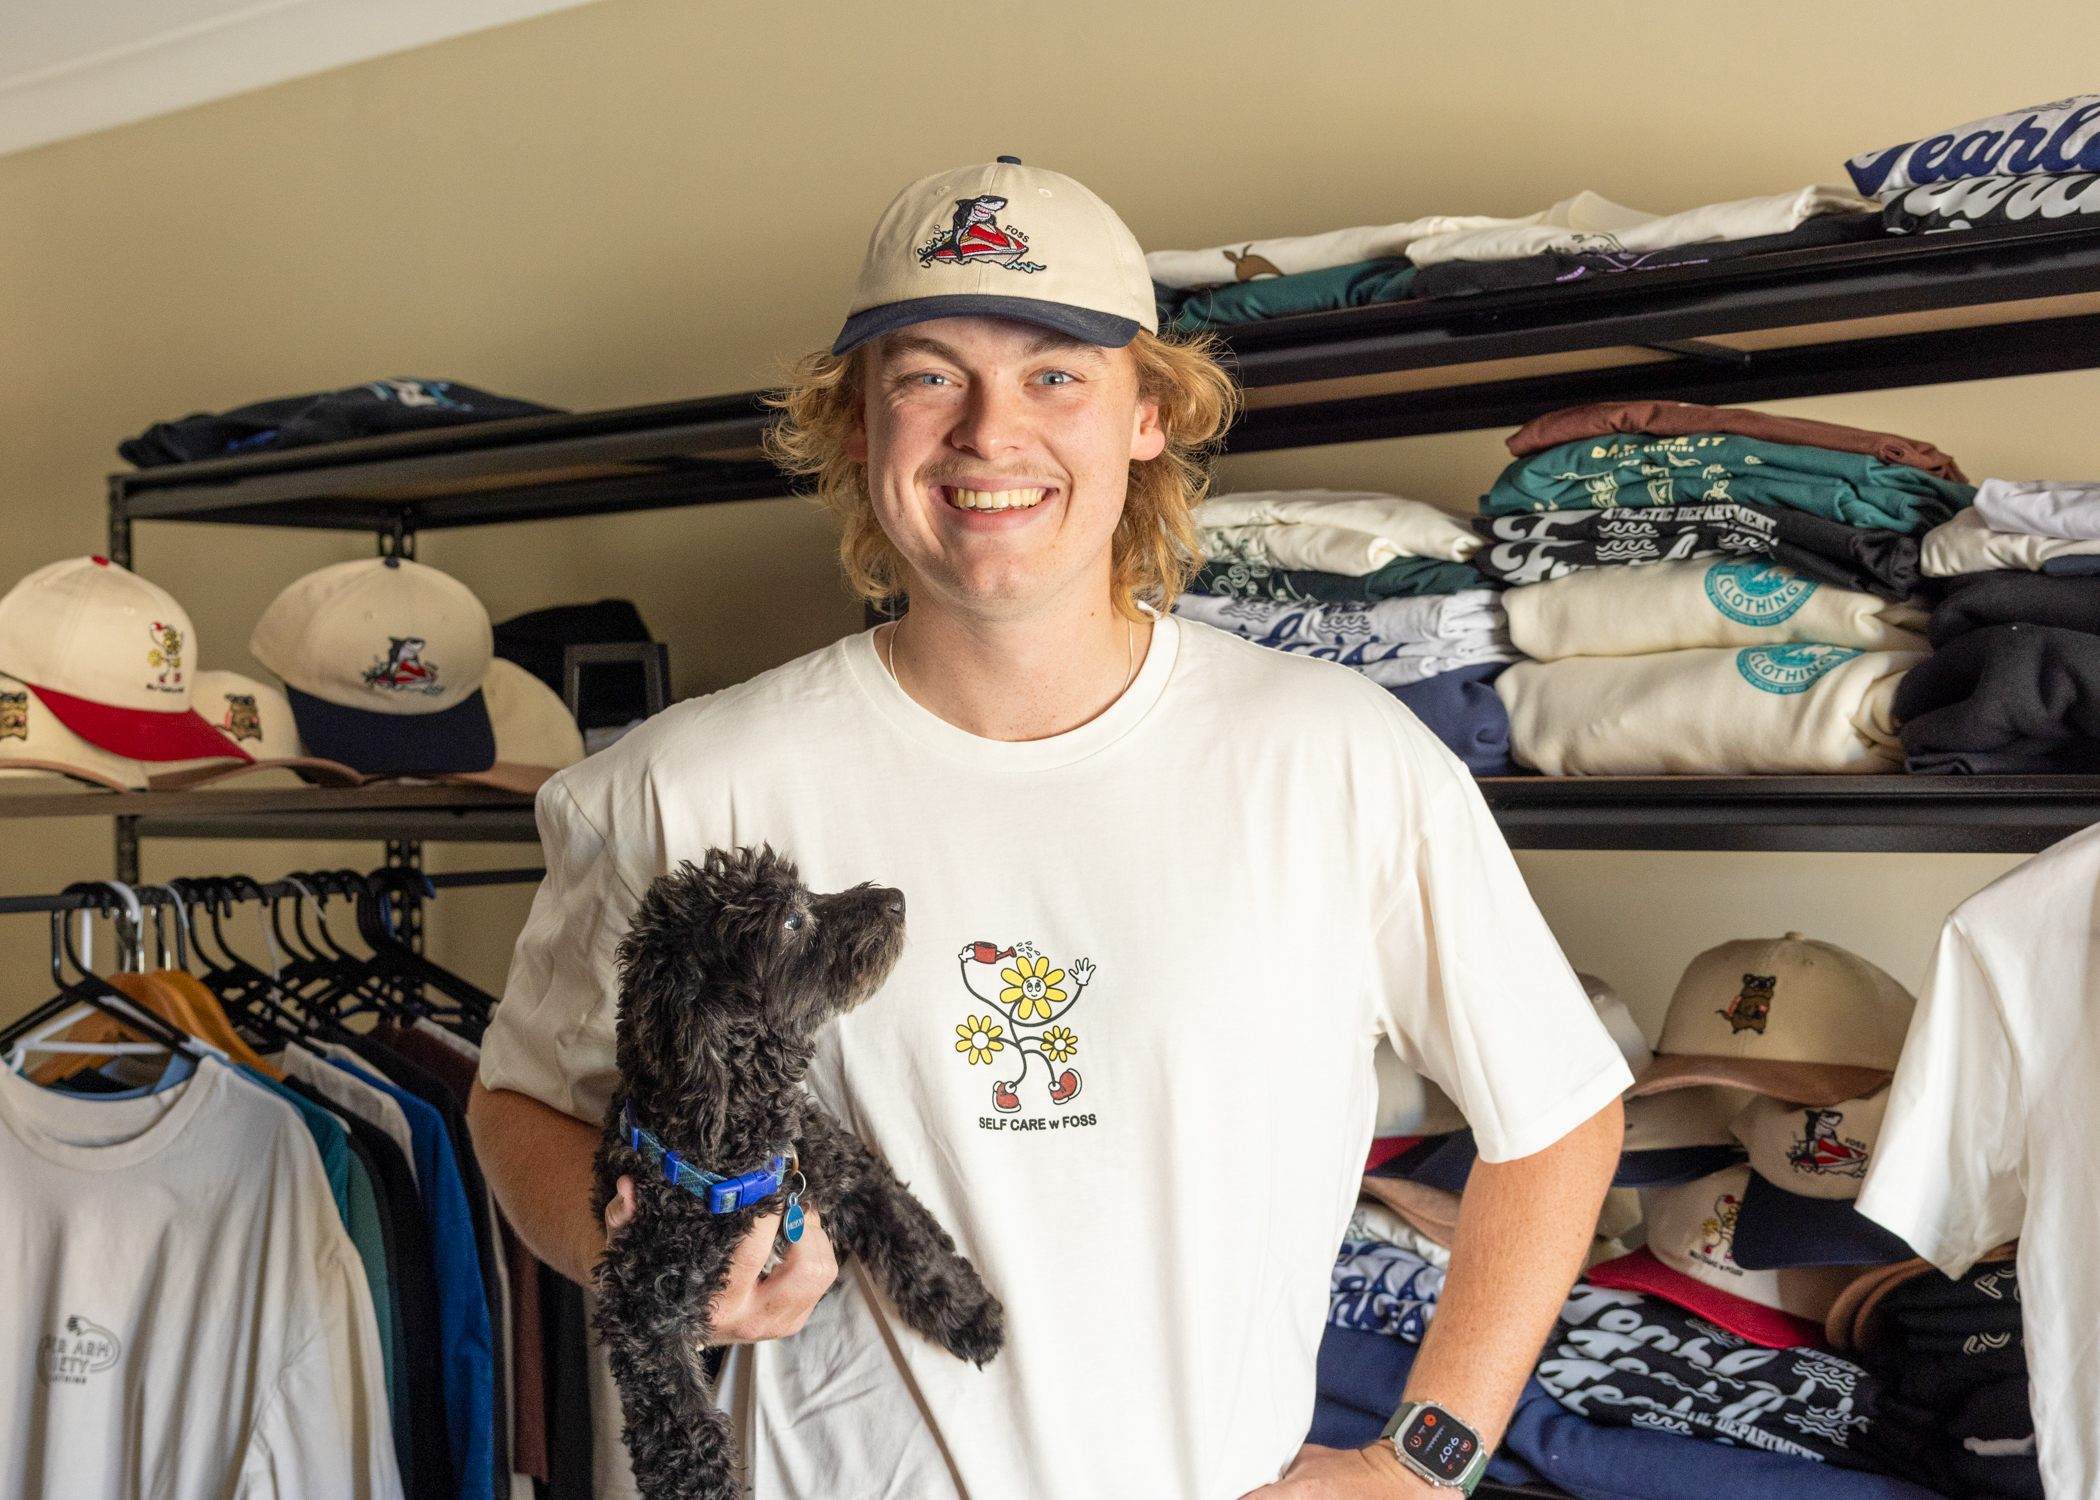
68,67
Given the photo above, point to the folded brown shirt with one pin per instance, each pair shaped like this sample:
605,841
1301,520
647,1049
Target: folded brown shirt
1682,419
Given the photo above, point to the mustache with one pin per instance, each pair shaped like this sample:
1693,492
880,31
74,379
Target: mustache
948,474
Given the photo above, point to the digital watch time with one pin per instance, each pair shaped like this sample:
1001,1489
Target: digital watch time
1437,1446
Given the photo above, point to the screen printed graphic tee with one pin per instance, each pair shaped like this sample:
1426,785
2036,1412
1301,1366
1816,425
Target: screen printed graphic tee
1126,1058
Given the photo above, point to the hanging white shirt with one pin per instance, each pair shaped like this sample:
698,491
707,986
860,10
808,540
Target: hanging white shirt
185,1313
1230,883
1993,1128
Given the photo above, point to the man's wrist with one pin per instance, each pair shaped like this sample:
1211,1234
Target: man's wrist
1400,1479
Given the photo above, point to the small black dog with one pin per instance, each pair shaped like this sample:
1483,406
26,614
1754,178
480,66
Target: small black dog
726,975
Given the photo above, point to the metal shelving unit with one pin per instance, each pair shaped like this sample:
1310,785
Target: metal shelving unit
1863,316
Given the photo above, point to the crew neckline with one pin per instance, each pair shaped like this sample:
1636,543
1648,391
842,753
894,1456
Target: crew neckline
40,1118
928,728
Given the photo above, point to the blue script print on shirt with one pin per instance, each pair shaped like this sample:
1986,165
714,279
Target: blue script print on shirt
1380,1288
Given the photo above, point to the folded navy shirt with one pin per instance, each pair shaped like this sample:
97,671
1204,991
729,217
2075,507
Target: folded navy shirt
2015,597
2004,699
1462,709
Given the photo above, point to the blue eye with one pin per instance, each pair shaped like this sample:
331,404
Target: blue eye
931,379
1058,377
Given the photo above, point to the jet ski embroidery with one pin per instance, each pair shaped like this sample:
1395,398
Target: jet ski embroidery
975,236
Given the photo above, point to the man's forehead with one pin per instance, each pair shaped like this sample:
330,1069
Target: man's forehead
961,339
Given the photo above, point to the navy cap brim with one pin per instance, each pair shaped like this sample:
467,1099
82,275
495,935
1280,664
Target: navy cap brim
458,738
1438,1161
1667,1166
1776,1229
1105,329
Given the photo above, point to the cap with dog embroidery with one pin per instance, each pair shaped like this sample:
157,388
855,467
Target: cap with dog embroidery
110,655
34,743
382,660
1002,240
1800,1020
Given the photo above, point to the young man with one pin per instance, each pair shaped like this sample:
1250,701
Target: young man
1166,889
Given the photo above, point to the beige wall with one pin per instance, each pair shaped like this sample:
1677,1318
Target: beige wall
647,199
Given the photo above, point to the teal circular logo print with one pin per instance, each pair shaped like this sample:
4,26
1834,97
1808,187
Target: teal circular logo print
1756,593
1788,669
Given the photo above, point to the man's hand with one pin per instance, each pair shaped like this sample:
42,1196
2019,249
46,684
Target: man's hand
754,1304
1371,1473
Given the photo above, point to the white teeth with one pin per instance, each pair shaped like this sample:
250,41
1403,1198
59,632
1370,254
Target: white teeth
995,499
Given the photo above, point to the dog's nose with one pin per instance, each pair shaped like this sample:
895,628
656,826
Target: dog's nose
893,902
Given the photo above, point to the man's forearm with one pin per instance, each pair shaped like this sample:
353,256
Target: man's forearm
1524,1227
538,1162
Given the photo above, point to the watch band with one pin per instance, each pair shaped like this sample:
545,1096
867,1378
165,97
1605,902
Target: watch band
1468,1479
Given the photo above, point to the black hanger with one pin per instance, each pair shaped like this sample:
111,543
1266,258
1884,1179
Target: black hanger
396,959
92,990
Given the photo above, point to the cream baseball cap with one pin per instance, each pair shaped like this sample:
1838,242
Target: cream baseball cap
1002,240
35,742
382,660
1792,1017
110,655
535,736
257,720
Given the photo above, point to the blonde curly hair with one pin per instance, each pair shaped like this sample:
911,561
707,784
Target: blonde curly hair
1154,549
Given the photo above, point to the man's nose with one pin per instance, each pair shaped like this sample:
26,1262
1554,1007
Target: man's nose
992,421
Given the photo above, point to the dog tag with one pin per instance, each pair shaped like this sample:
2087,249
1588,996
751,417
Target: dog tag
791,1223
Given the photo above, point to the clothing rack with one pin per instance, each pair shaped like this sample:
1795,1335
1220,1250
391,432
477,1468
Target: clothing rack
279,890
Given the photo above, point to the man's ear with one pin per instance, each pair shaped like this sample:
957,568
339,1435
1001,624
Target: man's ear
1148,438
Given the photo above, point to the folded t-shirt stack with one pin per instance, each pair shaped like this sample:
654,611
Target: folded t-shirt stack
1582,235
1782,655
2018,173
1371,581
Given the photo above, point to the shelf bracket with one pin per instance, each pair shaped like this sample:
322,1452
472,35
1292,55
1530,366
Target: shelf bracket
399,539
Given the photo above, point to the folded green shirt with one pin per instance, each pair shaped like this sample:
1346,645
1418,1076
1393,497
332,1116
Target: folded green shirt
1358,285
1402,577
1632,469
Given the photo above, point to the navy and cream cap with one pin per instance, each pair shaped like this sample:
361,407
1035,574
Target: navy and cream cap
1002,240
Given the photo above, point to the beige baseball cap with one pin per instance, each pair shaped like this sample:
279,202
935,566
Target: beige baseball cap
110,655
382,660
1792,1017
1813,1151
34,742
256,719
535,736
1002,240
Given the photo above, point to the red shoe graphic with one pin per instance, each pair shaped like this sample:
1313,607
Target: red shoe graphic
1066,1089
1004,1098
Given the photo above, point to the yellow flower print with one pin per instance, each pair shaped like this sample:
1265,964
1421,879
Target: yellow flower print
980,1038
1034,983
1059,1043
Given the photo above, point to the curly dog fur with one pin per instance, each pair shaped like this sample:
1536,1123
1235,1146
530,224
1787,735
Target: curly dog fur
727,973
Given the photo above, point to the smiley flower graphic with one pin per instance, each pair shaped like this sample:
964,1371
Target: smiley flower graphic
980,1038
1059,1043
1033,983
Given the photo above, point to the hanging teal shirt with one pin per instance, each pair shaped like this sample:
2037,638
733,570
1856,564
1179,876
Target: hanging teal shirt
370,1239
1631,469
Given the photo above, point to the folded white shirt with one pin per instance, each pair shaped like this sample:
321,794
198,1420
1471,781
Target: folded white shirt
1677,606
1760,710
1969,544
1588,223
2065,508
1463,616
1253,259
1352,532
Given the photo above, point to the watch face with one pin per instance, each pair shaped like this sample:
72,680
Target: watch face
1439,1442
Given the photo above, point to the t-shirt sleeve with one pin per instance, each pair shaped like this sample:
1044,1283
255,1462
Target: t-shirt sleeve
1478,997
553,1036
1946,1172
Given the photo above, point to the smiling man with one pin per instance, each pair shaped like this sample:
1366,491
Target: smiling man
1167,889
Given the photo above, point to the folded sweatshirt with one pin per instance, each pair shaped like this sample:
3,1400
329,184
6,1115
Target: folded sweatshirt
1994,205
1403,577
1394,643
1982,599
1633,470
1194,309
1677,606
1462,708
1685,419
2068,509
1262,520
1760,710
2004,699
1969,544
1587,223
2043,140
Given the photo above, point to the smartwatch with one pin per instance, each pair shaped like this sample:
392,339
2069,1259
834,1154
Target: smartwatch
1437,1446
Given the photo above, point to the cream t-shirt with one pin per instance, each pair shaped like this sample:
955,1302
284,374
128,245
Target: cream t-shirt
1222,891
185,1314
1992,1130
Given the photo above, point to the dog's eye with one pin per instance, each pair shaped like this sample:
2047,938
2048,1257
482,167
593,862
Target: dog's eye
794,923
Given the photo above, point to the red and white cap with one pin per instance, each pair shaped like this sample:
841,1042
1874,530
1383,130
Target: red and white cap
33,743
111,656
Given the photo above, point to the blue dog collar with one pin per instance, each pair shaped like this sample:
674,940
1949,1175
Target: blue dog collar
721,1194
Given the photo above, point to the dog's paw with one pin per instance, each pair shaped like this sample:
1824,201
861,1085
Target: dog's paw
978,1332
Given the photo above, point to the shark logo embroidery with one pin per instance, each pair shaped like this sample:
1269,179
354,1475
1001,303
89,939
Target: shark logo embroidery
402,669
975,236
1822,1151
